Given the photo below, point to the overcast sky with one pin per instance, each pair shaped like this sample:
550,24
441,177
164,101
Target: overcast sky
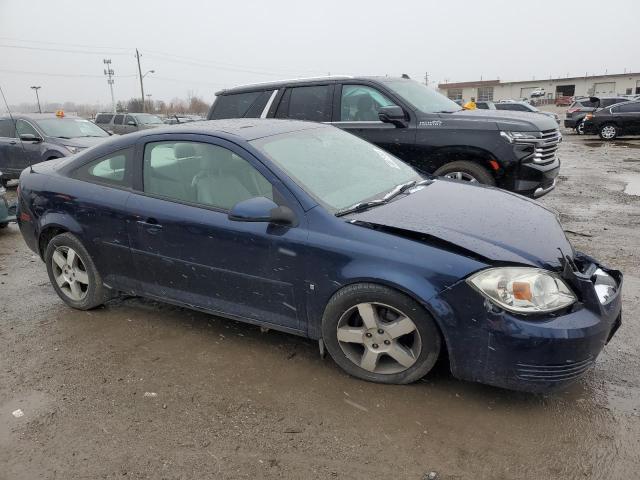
203,46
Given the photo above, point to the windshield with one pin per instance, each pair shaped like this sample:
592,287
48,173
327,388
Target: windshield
148,119
422,97
336,168
70,128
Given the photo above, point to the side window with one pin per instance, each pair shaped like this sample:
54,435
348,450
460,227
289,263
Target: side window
307,103
128,119
6,127
201,173
258,105
117,120
234,106
113,169
629,108
361,104
103,118
515,107
23,127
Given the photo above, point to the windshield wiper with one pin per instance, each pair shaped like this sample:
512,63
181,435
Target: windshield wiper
398,189
360,206
394,192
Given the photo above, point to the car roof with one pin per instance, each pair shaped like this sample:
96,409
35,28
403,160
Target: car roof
299,81
245,128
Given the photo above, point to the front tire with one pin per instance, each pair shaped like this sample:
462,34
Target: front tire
380,335
73,274
608,132
466,171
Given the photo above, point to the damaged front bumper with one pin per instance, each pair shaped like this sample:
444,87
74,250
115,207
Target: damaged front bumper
535,353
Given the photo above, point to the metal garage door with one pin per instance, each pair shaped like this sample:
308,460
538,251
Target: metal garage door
526,92
605,88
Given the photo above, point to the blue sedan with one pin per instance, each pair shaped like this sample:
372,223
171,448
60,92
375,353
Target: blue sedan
308,229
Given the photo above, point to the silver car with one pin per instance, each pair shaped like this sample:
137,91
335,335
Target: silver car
122,123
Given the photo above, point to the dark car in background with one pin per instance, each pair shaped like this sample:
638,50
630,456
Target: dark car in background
581,106
513,150
515,106
304,228
123,123
7,209
614,121
29,139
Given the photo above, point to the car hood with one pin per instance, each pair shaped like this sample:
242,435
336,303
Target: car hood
82,142
483,221
502,119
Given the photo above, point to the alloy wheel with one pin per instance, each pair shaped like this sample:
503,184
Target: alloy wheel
608,132
580,128
379,338
461,176
70,273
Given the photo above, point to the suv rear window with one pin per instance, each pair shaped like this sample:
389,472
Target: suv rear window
103,118
307,103
240,105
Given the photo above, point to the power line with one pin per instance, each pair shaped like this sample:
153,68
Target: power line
68,75
23,47
217,64
64,44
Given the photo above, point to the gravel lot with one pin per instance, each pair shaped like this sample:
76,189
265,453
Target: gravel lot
145,390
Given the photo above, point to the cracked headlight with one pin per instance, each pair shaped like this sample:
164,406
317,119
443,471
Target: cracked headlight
515,137
523,289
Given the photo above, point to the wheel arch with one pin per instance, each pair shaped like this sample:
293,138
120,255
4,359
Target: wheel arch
53,224
401,285
448,154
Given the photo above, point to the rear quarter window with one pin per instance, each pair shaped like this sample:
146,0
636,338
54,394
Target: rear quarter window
239,105
103,118
112,169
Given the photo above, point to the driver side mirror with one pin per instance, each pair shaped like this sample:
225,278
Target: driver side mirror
261,209
132,123
29,137
393,114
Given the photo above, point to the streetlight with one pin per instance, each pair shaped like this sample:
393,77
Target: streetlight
37,97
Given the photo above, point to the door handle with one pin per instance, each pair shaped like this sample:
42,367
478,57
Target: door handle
151,225
12,142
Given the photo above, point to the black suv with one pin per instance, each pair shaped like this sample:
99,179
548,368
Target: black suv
581,106
614,121
515,151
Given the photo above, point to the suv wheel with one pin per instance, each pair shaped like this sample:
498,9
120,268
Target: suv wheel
466,171
580,128
380,335
608,131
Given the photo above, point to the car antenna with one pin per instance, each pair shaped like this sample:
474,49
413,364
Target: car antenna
15,126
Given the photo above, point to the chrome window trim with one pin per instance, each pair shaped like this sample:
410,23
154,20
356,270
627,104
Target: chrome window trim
265,111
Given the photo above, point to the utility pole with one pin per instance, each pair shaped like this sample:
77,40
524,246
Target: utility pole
109,73
426,78
140,73
37,97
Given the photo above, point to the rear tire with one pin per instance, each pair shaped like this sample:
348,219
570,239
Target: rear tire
464,170
608,132
73,274
380,335
580,128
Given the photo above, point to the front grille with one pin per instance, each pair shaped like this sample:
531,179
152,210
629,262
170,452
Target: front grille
545,147
552,373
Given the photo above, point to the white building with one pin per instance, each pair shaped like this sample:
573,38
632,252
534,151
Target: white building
597,85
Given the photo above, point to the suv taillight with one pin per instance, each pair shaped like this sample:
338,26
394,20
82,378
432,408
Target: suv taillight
573,110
